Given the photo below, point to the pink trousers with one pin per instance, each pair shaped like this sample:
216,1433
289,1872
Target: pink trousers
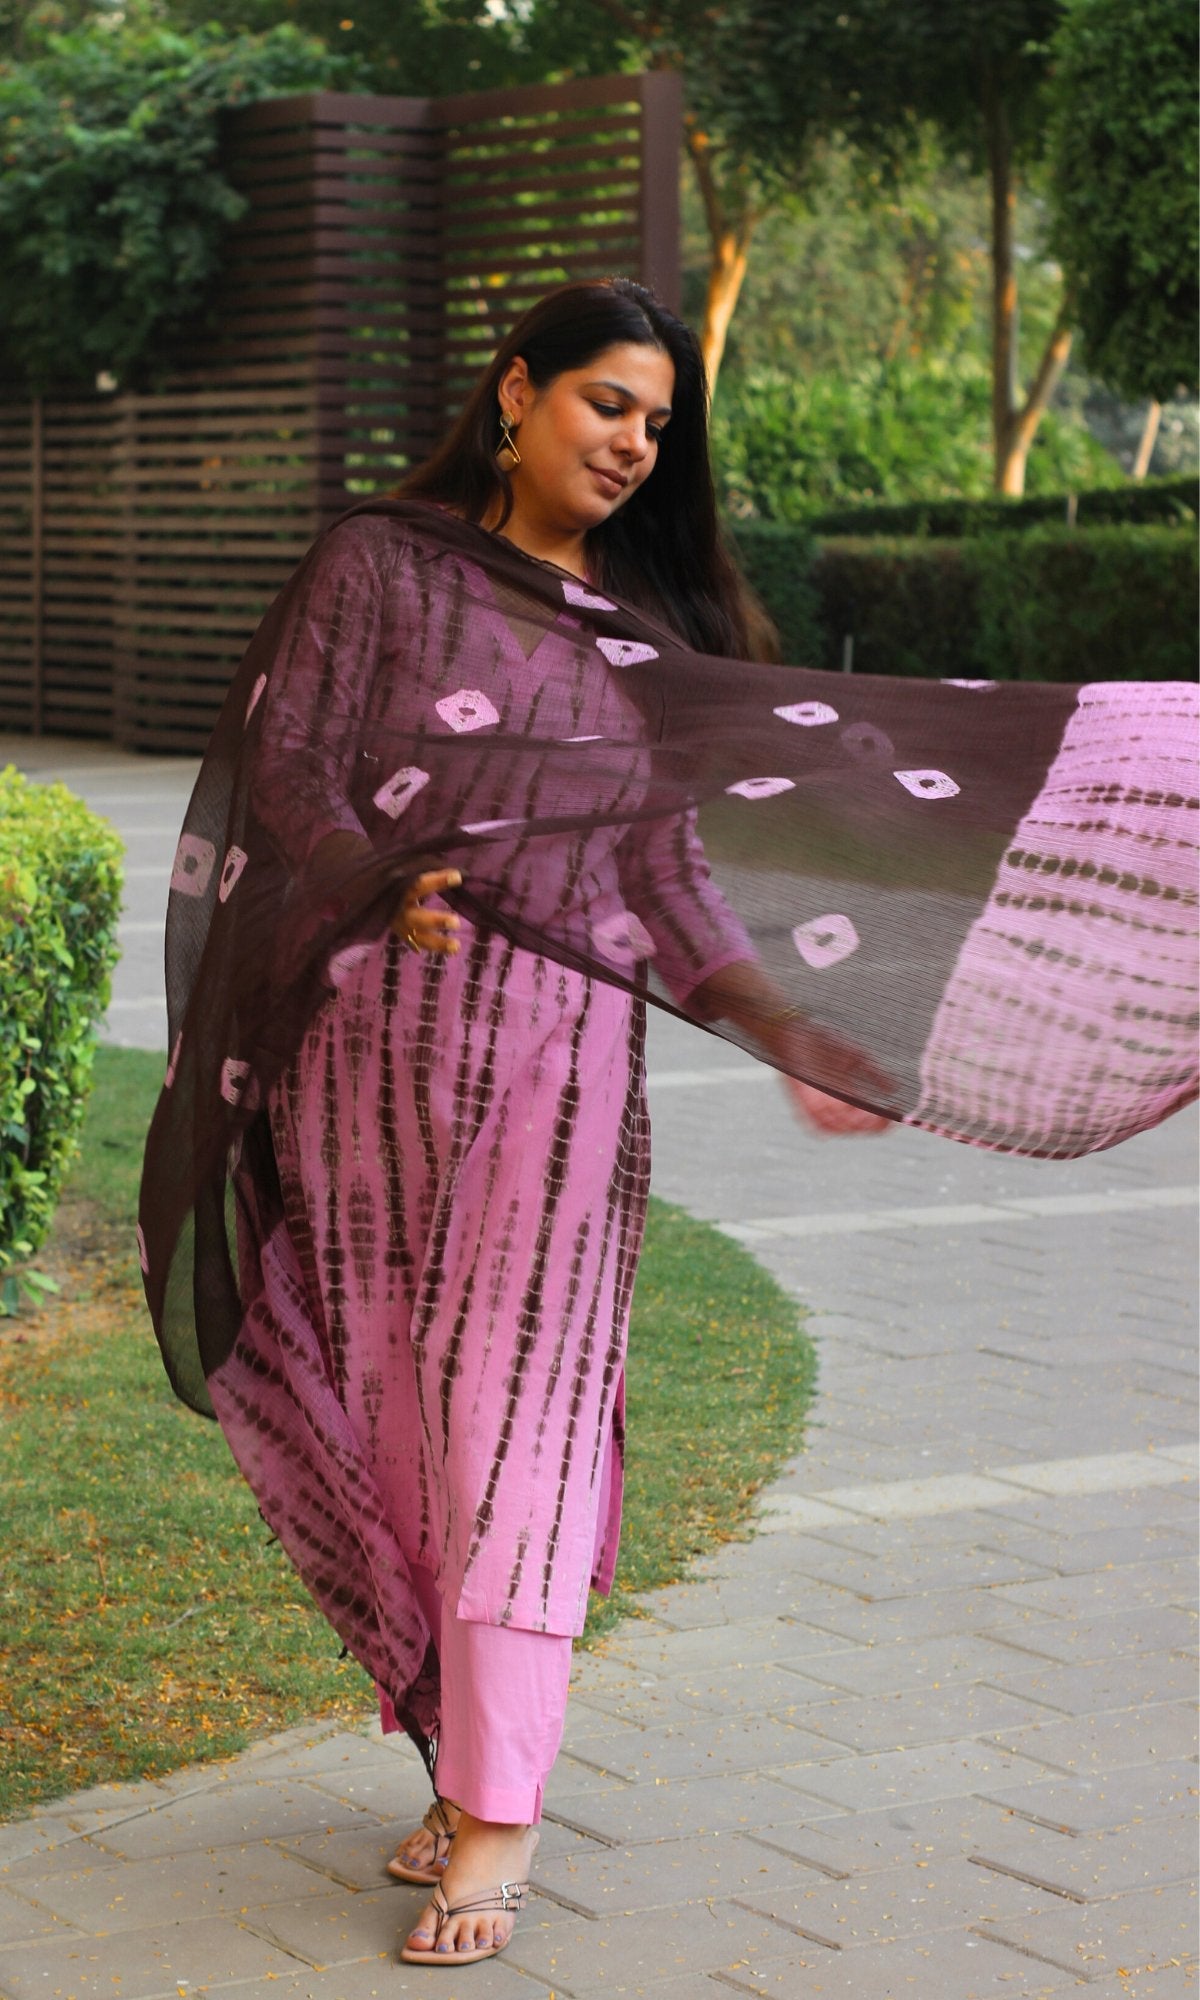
504,1700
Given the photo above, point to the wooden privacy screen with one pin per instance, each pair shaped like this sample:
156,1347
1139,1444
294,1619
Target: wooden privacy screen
387,246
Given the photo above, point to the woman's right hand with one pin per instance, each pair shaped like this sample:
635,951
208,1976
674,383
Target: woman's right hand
428,930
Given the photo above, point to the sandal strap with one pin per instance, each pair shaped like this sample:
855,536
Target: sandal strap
436,1822
507,1897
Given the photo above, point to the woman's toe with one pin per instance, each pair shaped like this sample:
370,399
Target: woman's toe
424,1930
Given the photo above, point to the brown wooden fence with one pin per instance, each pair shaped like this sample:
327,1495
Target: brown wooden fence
387,246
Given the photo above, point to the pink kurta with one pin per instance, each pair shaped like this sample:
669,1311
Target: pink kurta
463,1144
971,906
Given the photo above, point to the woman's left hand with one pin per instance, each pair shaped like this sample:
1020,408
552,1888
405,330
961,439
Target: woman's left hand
742,994
831,1115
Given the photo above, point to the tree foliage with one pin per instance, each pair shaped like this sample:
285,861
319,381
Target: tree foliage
413,48
878,69
738,178
975,70
1125,165
113,204
787,443
838,280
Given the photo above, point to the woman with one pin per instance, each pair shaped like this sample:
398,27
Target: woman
559,451
554,451
457,784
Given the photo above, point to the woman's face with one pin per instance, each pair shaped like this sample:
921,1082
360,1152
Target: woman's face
589,438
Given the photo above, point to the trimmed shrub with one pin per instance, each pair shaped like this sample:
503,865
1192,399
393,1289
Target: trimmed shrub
776,560
911,607
1116,604
1174,502
60,898
1052,605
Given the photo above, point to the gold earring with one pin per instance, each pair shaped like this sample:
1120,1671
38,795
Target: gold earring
507,442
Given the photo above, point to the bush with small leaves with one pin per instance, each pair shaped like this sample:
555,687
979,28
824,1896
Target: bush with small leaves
60,898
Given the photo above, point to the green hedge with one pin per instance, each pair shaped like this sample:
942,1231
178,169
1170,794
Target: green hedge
1065,604
1166,501
776,558
60,898
1055,604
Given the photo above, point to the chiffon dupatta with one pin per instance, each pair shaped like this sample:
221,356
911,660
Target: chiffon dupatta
970,906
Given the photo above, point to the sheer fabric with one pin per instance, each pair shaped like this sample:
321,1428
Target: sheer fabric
970,906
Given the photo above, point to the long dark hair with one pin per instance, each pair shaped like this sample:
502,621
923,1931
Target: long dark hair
663,550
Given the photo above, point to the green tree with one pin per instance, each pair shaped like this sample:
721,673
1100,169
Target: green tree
113,205
25,24
837,280
786,442
1123,144
974,70
413,48
738,183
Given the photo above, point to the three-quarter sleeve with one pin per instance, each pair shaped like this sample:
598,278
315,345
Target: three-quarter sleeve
317,688
667,883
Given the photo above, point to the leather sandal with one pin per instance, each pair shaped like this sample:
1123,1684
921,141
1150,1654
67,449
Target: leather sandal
436,1823
509,1896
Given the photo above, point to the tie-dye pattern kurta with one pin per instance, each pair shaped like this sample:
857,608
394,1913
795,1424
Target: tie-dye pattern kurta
462,1142
983,893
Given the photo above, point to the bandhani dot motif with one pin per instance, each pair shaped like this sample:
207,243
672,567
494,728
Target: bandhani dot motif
761,788
231,873
233,1079
863,740
578,593
256,694
626,652
825,941
173,1061
397,793
623,938
809,714
927,784
194,863
467,709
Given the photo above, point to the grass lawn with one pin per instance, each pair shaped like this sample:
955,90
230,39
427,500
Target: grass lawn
149,1621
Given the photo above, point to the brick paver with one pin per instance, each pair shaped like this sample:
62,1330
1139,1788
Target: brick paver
930,1736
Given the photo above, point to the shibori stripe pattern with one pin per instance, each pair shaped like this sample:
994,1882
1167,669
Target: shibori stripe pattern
392,1205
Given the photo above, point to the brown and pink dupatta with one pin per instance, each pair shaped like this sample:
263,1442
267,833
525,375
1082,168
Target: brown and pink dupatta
982,895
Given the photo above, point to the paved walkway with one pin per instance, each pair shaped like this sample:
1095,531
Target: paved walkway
931,1735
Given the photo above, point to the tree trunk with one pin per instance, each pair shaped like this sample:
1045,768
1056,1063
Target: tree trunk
1145,450
1008,476
1014,423
729,238
726,270
1024,422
